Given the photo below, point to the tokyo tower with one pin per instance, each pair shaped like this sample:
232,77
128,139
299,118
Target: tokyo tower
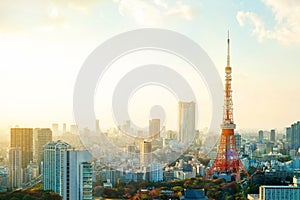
227,160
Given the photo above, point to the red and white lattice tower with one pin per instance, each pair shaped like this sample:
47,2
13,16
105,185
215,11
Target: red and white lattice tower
227,159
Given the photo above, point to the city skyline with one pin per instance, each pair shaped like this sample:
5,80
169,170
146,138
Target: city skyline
42,56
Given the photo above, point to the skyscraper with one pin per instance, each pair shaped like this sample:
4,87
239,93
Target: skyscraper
272,135
78,175
42,137
54,159
154,128
156,172
260,136
85,181
238,141
145,153
23,138
289,135
15,167
67,172
186,122
55,130
64,128
293,135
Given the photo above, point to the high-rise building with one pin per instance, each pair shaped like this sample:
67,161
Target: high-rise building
288,135
293,135
296,134
75,182
97,125
86,181
23,138
238,141
156,172
42,137
186,122
67,172
54,159
154,128
145,153
64,128
15,167
55,130
272,135
260,136
73,129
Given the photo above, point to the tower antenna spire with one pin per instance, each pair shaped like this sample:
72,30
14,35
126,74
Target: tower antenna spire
228,50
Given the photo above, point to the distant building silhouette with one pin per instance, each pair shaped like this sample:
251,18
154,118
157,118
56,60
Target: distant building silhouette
260,136
41,137
145,153
272,135
154,128
186,122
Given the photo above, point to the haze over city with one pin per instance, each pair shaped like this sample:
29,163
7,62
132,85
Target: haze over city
150,99
44,44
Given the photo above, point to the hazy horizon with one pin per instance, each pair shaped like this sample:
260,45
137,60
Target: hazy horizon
44,44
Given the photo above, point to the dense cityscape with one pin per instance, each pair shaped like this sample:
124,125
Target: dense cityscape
54,159
99,147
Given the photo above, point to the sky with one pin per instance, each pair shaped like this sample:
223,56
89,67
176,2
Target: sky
43,45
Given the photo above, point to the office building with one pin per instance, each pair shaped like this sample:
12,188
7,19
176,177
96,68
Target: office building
293,135
272,135
42,137
55,130
238,141
154,128
260,136
54,159
288,135
156,172
67,172
15,168
76,183
186,122
145,153
86,181
23,138
276,192
64,128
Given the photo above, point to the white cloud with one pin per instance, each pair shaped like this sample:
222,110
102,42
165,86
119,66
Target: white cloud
154,12
287,21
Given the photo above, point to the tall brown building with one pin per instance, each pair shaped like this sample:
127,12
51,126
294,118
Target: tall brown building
23,138
42,137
